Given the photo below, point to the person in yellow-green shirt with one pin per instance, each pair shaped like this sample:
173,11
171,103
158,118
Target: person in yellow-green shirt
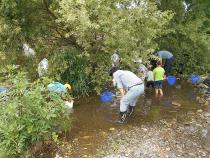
159,74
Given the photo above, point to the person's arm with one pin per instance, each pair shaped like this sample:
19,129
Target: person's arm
160,57
122,92
120,86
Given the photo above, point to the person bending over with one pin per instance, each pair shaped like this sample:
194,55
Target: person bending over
127,80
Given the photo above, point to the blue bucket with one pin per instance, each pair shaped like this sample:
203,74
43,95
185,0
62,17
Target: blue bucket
171,80
106,97
194,79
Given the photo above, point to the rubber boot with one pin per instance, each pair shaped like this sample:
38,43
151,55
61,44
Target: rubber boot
123,118
130,110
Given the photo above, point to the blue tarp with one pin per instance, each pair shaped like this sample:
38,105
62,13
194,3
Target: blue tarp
3,90
56,87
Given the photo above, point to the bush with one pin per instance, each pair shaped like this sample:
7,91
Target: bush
29,115
69,66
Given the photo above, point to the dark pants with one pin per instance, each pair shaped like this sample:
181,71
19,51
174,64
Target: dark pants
150,83
158,84
168,65
207,82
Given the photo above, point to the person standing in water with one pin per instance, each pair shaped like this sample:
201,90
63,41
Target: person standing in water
168,57
150,78
126,80
159,73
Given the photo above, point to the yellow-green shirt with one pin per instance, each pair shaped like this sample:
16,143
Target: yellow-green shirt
158,73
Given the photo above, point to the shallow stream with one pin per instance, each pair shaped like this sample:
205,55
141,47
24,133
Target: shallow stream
92,120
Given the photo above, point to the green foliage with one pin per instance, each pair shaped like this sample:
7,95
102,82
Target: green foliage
70,66
96,29
107,26
189,41
92,27
30,114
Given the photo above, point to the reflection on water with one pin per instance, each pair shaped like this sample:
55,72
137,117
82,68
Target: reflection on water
181,96
91,117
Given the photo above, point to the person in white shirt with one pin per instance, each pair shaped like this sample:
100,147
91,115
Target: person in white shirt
126,80
150,78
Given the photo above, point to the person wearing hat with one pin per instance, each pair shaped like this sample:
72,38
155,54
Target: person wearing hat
59,87
168,57
127,80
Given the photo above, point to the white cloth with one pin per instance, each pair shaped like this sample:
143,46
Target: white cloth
43,67
28,51
150,76
115,59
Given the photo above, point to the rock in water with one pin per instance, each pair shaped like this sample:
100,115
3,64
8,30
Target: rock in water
178,86
208,121
176,104
199,111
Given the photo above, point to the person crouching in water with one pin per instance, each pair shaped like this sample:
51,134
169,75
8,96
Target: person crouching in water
126,80
159,73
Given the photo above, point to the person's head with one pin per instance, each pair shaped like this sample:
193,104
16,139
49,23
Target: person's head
159,63
113,70
149,67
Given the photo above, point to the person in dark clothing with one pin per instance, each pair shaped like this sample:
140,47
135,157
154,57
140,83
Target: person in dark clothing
207,80
169,58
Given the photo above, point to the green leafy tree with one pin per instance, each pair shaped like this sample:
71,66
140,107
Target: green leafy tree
189,40
95,28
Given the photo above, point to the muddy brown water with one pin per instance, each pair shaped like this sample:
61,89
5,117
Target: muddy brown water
93,121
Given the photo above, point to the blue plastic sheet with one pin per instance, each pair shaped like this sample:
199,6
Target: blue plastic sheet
3,90
56,87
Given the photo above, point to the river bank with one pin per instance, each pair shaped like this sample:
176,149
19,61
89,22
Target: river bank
186,136
173,126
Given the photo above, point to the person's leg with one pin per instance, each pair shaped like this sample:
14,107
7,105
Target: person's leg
152,83
147,84
124,106
123,110
170,64
167,66
161,88
161,92
137,91
156,87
